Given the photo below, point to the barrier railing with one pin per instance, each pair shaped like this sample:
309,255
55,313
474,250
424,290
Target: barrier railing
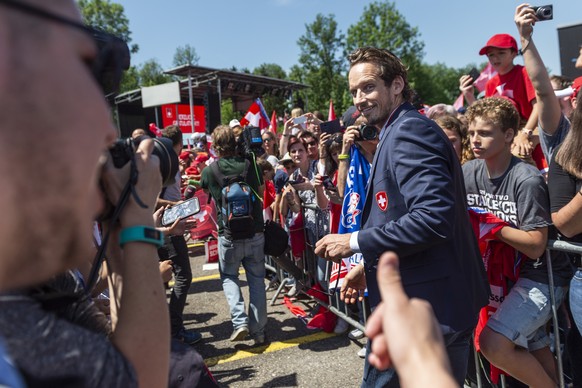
553,245
304,271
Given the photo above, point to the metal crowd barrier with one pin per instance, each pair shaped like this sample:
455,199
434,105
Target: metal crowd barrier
554,245
304,271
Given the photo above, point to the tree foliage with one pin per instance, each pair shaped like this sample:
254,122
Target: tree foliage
322,65
382,26
276,102
150,73
107,16
185,55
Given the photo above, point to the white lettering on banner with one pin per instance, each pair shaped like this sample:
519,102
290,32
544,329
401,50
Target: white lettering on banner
351,176
185,123
498,205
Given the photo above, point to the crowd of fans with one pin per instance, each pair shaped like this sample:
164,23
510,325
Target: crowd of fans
513,154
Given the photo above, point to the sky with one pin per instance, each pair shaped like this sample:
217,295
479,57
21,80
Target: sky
245,34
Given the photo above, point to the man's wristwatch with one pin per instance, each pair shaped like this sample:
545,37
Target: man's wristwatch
528,132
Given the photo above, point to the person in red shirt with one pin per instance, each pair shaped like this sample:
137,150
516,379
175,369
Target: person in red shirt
511,81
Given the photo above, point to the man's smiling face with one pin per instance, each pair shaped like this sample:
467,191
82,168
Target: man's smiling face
371,96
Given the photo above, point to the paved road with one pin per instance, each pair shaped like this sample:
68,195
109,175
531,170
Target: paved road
295,357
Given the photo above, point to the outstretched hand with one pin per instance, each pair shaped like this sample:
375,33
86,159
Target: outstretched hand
334,247
354,285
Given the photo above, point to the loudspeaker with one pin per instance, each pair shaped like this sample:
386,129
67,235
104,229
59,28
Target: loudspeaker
212,109
570,39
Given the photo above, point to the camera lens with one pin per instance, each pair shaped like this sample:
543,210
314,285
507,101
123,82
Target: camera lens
368,132
123,150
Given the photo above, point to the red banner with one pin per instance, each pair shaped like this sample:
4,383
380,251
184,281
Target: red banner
182,118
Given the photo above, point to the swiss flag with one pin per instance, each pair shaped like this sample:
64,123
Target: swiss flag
485,76
382,200
273,126
256,116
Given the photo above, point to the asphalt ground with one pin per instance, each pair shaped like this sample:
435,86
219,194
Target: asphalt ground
294,355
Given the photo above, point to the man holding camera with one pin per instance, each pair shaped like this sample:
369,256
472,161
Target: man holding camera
413,207
43,235
232,250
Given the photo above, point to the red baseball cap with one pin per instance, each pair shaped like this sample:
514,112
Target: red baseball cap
576,87
504,41
184,155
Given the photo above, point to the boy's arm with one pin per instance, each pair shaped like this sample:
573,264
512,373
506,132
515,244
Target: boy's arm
532,243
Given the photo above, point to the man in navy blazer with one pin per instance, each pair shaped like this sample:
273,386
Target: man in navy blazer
415,206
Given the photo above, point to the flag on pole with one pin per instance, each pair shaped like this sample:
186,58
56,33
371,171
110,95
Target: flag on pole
273,126
352,208
331,114
256,116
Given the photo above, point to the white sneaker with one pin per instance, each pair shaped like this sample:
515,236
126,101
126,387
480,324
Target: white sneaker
362,352
341,326
356,334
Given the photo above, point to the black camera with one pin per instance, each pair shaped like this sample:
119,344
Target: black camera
123,150
544,12
250,142
368,132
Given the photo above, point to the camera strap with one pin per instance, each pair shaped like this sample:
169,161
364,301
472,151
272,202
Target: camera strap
128,190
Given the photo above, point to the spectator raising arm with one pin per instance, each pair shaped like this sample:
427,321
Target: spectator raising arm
548,106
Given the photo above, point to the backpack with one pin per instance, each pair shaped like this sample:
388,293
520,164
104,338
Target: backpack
236,204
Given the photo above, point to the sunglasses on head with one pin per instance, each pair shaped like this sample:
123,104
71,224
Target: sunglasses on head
112,56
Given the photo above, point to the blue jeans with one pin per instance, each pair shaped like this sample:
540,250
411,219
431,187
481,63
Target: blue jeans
576,298
249,252
457,346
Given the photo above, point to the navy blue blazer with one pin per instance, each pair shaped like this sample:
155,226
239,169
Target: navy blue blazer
416,206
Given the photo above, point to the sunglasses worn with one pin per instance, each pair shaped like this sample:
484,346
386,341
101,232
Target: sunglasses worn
112,56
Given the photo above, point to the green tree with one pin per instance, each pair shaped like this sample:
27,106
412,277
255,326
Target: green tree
130,80
107,16
227,111
323,65
382,26
185,55
276,102
150,73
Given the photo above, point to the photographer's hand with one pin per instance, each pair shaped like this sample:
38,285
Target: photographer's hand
350,135
525,19
138,304
322,140
147,187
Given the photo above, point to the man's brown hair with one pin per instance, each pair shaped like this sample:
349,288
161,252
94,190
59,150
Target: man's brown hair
390,65
224,141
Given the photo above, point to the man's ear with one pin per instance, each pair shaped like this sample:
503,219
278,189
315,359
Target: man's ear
397,85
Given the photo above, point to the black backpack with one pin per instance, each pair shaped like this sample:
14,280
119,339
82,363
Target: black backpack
237,203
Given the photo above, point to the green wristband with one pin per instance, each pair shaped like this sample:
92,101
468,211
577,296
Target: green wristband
140,233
